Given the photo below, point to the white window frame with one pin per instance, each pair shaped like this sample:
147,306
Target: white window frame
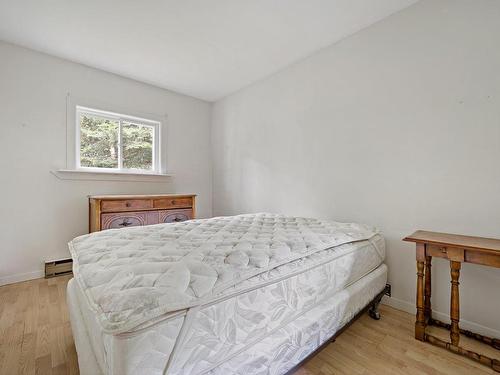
120,118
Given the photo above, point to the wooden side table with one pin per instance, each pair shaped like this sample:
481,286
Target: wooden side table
457,249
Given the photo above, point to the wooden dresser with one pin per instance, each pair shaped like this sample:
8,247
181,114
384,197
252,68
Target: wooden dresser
119,211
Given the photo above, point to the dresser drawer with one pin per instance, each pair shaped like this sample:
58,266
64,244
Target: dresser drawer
175,216
128,219
173,202
126,205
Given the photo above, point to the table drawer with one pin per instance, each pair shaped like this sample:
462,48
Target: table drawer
126,205
446,252
128,219
175,216
173,202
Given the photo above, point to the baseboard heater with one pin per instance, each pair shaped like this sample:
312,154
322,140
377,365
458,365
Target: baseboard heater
58,267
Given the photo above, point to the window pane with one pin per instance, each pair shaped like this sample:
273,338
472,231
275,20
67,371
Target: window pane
137,146
98,142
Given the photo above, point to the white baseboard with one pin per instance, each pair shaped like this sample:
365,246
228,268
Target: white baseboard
21,277
409,307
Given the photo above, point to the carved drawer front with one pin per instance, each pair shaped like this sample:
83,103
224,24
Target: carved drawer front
173,202
175,216
128,219
126,205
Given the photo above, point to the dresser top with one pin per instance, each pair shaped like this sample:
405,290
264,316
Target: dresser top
455,240
143,196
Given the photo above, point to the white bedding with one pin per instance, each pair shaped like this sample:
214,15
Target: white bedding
287,346
275,354
264,324
131,276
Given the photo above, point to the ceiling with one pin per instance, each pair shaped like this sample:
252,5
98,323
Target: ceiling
203,48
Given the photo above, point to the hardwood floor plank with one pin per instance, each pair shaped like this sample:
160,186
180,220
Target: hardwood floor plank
62,369
27,359
3,356
58,346
43,341
43,365
72,360
12,358
36,338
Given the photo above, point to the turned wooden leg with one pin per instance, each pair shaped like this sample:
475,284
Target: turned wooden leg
420,323
427,302
455,303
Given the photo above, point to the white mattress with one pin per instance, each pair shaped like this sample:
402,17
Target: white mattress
289,345
132,275
286,317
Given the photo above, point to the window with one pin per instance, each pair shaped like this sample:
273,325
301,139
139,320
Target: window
108,141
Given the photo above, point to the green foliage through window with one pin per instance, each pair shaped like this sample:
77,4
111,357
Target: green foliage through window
137,146
100,143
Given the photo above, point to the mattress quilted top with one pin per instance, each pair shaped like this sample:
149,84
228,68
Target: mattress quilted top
136,274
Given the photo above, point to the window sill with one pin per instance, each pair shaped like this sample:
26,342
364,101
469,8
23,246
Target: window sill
79,174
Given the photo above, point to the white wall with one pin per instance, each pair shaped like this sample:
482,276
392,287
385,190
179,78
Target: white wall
39,212
397,126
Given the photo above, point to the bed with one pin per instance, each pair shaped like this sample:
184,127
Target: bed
246,294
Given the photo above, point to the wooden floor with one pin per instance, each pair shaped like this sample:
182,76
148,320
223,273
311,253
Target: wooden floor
35,338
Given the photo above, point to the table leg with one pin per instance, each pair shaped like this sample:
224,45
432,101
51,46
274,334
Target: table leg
455,303
427,302
420,323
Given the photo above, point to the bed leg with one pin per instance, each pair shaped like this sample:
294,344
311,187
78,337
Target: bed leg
373,310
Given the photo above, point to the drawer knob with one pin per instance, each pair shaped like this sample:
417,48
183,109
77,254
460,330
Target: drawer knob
173,202
128,204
